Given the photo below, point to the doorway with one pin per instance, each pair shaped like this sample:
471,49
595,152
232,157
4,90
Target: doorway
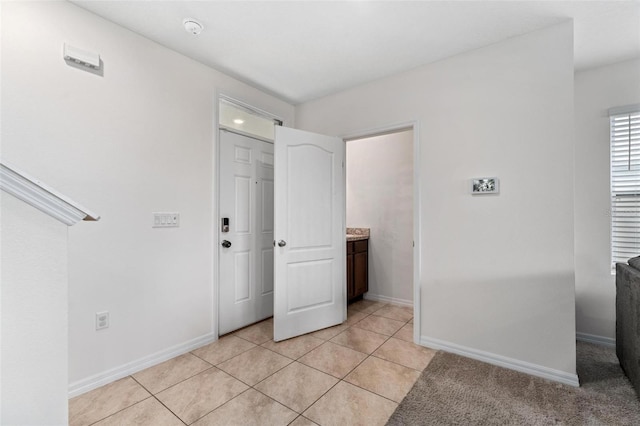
246,209
245,214
380,197
288,188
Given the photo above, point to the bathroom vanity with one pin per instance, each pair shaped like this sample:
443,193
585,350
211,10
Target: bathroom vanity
357,262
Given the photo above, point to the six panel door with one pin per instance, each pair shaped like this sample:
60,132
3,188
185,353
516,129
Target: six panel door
246,199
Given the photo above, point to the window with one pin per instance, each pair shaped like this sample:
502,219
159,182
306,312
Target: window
248,121
625,183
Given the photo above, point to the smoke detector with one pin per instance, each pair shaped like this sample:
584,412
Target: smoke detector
192,26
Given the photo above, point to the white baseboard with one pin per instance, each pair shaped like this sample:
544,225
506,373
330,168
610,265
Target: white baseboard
85,385
386,299
598,340
502,361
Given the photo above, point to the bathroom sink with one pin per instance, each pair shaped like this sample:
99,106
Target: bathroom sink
356,237
358,234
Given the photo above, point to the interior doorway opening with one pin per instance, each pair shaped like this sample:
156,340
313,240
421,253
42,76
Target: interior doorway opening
398,177
281,228
245,211
379,192
246,230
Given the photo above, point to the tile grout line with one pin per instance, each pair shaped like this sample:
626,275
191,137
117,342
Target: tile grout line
342,379
300,415
122,409
265,378
370,391
368,356
232,357
240,380
364,360
219,406
199,357
169,409
401,365
181,381
331,375
318,399
187,378
157,399
297,360
294,359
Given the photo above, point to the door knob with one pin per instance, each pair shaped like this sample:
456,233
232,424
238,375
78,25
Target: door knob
226,244
282,243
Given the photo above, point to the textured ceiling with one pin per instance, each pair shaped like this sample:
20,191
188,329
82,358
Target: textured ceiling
302,50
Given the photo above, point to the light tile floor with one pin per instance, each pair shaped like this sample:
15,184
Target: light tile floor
355,373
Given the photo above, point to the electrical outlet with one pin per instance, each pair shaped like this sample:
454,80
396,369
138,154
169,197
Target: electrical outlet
102,320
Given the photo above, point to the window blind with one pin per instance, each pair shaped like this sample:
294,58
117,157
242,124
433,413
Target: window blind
625,186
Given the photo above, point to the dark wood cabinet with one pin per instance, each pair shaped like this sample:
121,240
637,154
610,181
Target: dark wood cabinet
357,268
350,287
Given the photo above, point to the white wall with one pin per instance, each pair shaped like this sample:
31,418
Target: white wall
34,316
137,140
497,271
380,197
596,91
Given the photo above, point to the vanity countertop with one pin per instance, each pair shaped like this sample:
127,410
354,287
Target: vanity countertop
357,234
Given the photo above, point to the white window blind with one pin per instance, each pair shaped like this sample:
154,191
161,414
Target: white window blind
625,186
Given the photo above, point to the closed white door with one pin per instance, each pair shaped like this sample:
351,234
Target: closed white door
310,288
246,252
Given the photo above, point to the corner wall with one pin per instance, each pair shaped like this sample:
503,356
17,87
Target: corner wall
34,308
137,140
596,91
497,272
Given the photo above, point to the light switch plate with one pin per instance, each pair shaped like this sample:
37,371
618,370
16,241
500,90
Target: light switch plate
166,220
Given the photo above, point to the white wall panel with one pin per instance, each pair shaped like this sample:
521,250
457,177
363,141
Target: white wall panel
136,140
497,272
34,308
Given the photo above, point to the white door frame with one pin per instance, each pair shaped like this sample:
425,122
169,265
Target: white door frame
215,199
370,132
253,242
395,128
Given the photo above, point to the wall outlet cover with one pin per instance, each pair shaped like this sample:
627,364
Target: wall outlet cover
102,320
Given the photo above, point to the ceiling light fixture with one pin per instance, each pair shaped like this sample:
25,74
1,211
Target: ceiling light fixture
238,121
192,26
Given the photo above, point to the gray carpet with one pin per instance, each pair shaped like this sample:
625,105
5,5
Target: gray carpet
454,390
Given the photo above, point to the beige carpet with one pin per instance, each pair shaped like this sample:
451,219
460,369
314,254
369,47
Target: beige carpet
454,390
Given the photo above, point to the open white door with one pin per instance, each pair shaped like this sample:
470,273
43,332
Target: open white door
309,254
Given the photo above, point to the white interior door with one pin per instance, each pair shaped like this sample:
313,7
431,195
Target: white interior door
246,255
310,289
